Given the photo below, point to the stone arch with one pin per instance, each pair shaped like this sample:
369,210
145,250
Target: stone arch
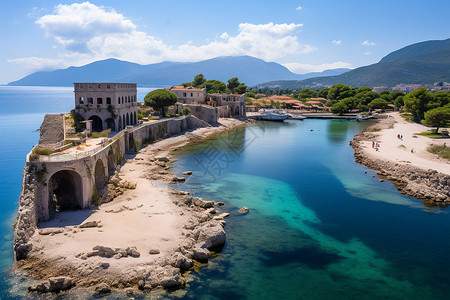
120,123
128,119
99,175
97,123
135,118
124,122
236,110
111,164
65,192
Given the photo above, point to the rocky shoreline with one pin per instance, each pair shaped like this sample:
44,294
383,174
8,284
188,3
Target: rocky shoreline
430,186
100,270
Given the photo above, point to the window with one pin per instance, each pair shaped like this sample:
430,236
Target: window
90,100
99,86
108,86
99,101
184,94
108,101
90,85
81,100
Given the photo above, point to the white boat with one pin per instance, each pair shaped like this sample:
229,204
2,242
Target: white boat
296,117
272,115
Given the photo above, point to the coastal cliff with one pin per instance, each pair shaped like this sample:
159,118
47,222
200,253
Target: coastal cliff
428,185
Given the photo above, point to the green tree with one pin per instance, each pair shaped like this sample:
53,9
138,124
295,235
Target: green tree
233,83
214,86
307,93
340,91
160,98
323,93
339,108
378,103
437,117
416,102
241,88
185,111
198,80
398,102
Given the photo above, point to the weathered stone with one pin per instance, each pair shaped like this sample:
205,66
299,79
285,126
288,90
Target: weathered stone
47,231
183,262
104,251
244,210
103,288
104,265
211,236
154,251
178,179
163,158
187,173
200,254
132,251
53,284
89,224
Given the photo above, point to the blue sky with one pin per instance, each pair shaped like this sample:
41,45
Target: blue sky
305,35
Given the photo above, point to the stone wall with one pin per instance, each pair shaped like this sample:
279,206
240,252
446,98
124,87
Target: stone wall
224,112
51,130
202,112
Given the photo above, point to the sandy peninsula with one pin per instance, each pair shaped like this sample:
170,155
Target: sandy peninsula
145,238
392,147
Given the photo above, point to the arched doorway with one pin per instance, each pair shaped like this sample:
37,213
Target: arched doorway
65,190
100,177
236,110
97,123
135,118
111,164
128,119
110,124
120,123
124,122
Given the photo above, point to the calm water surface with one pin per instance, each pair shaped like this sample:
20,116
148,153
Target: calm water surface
319,227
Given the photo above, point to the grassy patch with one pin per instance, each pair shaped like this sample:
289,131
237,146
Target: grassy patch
432,134
402,146
441,150
407,117
374,129
95,135
42,151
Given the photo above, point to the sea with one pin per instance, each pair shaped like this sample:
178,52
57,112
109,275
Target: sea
320,225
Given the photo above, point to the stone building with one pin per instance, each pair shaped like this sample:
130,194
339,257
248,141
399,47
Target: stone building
189,94
108,105
235,102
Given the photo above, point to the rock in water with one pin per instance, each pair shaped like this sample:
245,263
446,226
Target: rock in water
244,210
201,254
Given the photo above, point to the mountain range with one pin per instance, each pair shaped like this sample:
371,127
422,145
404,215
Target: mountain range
248,69
422,63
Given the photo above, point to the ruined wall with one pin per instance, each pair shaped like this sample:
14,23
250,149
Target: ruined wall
224,112
51,130
203,112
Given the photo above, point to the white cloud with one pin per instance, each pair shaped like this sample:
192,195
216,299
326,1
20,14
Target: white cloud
299,8
367,53
307,68
367,43
84,32
337,42
39,63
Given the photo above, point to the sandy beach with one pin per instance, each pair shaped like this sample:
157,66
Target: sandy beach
142,239
405,161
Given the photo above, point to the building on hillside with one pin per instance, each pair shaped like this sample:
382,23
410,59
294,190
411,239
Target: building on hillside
410,87
189,94
235,102
108,105
380,88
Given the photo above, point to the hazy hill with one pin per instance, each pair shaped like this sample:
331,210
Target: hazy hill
425,62
248,69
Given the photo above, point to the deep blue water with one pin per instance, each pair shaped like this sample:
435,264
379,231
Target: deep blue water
319,227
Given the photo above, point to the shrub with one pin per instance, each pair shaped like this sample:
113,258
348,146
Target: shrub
185,111
441,150
42,151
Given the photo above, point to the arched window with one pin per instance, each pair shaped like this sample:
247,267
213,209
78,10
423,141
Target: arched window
108,101
81,100
99,101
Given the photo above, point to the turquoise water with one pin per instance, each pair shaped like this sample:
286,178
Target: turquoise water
319,227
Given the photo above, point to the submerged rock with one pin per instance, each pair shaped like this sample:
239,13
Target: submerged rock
53,285
244,210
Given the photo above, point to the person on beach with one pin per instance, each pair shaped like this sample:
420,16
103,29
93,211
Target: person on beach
412,150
